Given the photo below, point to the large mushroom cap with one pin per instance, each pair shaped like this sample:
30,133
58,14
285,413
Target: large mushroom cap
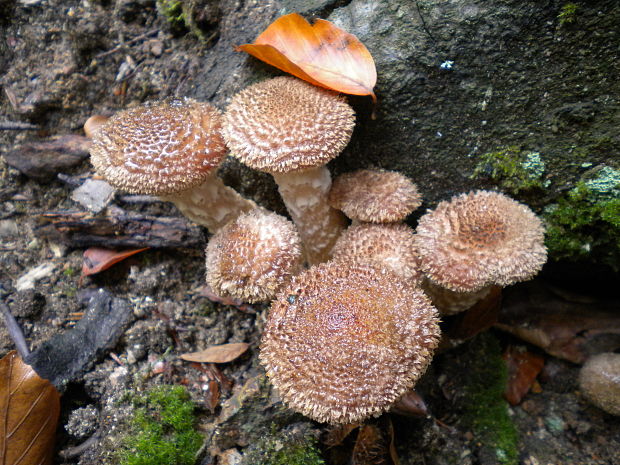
254,256
478,239
160,147
285,124
390,246
375,196
342,343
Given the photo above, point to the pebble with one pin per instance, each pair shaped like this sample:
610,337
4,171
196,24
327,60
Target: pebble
28,280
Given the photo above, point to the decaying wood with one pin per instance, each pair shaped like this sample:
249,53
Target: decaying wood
118,228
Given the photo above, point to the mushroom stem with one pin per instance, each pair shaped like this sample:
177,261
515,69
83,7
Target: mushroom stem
211,204
305,196
450,302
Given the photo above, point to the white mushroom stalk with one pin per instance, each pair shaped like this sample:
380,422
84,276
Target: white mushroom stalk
305,195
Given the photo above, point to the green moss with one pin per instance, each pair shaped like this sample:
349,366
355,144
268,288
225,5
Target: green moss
585,223
514,170
162,429
69,272
485,410
568,13
284,448
172,10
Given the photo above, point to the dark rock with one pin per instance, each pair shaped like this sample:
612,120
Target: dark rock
42,161
69,355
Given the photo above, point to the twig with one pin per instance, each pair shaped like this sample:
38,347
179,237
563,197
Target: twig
138,199
129,42
16,126
72,452
15,332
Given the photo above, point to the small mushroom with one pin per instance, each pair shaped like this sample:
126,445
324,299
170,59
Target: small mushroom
599,380
374,196
92,124
344,342
170,149
389,246
291,129
477,240
253,257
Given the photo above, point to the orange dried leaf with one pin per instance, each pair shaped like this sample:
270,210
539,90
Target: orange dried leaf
217,354
319,53
97,259
30,406
523,368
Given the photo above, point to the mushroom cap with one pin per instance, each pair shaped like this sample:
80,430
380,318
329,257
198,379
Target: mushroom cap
374,196
599,379
285,124
159,148
390,246
254,256
344,342
478,239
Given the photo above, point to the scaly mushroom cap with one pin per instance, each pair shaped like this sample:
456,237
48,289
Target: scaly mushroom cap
599,380
478,239
253,257
159,148
343,343
390,246
285,124
374,196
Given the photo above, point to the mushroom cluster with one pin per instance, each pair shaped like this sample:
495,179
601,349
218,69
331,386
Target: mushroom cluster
351,334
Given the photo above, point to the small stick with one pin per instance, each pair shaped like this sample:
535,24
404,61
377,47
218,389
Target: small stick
78,450
16,126
15,332
129,42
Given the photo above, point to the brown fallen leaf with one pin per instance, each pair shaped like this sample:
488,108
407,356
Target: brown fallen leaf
523,368
410,404
30,406
570,328
97,259
223,353
319,53
370,447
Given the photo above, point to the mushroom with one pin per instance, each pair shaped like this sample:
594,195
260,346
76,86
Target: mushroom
169,149
389,246
253,257
477,240
343,342
291,129
374,196
599,380
93,123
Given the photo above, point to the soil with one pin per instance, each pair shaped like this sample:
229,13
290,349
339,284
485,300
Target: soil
61,63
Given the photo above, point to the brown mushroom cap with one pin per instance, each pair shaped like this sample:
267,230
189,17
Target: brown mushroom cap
375,196
391,246
254,256
599,380
342,343
478,239
160,147
285,124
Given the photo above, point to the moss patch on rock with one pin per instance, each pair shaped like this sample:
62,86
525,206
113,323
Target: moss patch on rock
162,429
514,170
585,223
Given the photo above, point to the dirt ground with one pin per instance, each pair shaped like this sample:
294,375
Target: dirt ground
64,65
